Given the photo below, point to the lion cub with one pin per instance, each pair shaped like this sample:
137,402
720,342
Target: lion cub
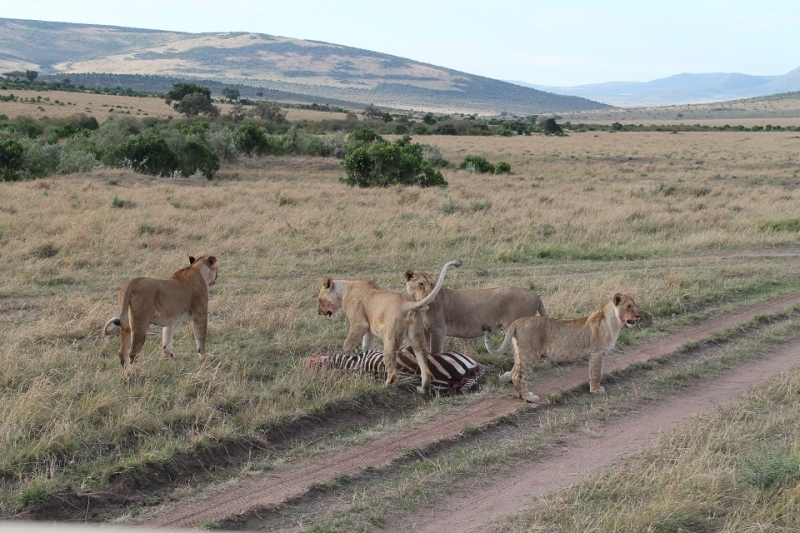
388,314
165,303
566,341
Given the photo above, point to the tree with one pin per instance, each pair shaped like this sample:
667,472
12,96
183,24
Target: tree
12,158
372,112
191,100
237,113
551,127
196,104
230,94
31,75
269,111
16,74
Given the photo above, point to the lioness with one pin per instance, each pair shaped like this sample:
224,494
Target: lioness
388,314
566,341
165,303
463,313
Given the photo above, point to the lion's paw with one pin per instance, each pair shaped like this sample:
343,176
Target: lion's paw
532,398
506,376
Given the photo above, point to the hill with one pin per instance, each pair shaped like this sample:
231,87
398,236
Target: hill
682,89
299,69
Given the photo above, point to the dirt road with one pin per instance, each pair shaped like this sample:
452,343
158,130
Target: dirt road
280,485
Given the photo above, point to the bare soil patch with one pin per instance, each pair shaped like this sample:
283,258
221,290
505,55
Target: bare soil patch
278,487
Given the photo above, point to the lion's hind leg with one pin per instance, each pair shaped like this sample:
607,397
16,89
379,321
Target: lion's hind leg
523,363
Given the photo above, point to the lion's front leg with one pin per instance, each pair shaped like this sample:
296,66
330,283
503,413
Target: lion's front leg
166,341
368,340
356,334
595,373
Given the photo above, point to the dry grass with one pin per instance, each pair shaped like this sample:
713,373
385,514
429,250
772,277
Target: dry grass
62,104
581,217
777,110
735,468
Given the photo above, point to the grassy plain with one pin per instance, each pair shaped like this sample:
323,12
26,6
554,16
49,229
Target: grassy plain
581,217
62,104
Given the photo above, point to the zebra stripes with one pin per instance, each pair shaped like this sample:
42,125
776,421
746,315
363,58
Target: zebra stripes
450,371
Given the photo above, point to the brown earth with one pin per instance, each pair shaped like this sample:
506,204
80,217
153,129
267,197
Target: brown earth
274,489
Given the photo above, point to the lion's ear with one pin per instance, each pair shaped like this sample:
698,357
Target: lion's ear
409,274
327,282
618,298
191,259
211,260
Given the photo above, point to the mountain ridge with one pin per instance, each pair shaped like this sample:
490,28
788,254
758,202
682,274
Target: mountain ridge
684,88
306,68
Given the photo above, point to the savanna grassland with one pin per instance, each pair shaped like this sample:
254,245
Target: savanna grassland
692,223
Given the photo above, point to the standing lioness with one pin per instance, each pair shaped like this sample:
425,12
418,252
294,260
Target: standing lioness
388,314
567,341
165,303
464,313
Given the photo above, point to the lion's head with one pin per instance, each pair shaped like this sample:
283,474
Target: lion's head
329,300
419,283
208,268
627,310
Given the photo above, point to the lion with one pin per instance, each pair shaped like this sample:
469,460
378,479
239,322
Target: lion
165,303
388,314
464,313
566,341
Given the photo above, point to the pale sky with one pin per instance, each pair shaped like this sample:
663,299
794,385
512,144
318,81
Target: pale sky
552,42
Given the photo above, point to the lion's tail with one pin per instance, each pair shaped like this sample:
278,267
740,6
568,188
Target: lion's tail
487,332
430,297
542,310
115,323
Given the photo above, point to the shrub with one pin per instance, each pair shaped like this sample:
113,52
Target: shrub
502,168
12,158
551,127
74,161
198,158
477,164
250,139
148,154
381,164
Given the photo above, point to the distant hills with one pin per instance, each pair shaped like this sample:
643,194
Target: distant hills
681,89
281,68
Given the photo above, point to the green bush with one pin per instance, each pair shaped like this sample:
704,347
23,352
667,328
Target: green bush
74,161
148,153
381,164
551,127
196,157
477,164
502,168
12,158
250,139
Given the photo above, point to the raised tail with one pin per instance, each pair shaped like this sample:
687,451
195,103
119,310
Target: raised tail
430,297
113,321
487,332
